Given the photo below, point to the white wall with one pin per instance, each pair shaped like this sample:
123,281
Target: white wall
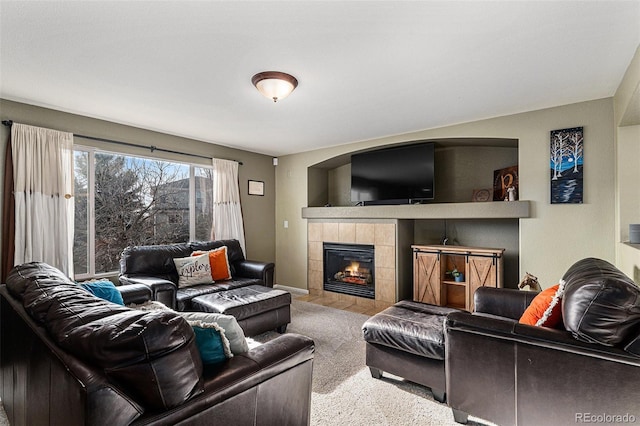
550,241
627,120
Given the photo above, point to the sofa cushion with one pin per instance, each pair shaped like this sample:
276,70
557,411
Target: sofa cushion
545,310
232,330
211,341
193,270
219,262
151,355
45,293
155,259
234,250
600,303
104,289
20,278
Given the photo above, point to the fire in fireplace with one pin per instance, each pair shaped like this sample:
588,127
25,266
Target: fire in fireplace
349,269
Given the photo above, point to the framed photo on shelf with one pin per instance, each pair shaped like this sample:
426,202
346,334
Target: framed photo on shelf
256,187
503,179
480,195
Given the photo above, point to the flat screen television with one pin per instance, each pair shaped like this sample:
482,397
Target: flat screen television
397,175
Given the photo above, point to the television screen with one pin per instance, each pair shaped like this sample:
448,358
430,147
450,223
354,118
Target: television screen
397,175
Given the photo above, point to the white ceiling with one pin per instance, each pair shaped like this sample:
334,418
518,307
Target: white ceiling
365,69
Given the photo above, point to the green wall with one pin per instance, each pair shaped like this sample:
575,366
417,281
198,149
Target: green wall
258,212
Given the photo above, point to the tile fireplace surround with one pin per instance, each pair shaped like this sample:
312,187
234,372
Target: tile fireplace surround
382,235
390,228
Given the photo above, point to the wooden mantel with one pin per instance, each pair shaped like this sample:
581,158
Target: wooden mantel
479,210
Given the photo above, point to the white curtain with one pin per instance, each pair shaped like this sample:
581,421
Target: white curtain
43,188
227,213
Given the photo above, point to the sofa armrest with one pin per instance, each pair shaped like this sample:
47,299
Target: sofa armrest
254,269
480,324
281,372
286,350
504,302
135,293
162,290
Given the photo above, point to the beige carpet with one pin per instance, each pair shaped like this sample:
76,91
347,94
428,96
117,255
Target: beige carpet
344,393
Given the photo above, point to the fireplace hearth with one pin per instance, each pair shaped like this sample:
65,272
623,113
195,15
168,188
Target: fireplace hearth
349,269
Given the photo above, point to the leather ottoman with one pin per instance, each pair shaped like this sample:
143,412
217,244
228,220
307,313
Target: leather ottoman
257,308
407,340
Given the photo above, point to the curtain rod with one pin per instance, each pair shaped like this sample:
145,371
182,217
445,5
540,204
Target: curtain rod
149,147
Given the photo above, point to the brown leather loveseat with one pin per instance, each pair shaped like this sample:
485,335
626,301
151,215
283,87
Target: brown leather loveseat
587,371
68,357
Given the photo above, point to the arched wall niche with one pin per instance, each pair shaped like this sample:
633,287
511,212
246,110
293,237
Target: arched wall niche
461,166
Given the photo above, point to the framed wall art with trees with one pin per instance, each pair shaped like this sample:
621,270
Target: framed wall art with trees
567,166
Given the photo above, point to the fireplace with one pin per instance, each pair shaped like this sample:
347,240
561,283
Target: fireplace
349,269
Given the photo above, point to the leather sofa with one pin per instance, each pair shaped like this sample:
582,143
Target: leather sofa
70,358
153,266
588,371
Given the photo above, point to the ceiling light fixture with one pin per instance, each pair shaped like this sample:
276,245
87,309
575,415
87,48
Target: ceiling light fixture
274,84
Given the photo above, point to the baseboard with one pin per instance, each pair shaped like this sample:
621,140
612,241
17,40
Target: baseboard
291,289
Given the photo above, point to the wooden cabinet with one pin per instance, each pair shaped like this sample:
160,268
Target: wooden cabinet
433,282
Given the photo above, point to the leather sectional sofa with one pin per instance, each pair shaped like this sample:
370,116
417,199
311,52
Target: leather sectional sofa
68,357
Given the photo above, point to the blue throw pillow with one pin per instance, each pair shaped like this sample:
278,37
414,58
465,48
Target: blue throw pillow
211,342
104,289
232,331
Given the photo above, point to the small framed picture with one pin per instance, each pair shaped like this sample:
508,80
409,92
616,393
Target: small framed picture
256,187
505,182
481,195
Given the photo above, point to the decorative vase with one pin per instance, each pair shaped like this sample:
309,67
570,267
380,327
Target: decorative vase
459,278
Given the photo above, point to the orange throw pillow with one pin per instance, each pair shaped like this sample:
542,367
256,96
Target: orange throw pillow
219,263
545,309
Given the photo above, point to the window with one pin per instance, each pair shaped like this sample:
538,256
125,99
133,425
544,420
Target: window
123,200
203,214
